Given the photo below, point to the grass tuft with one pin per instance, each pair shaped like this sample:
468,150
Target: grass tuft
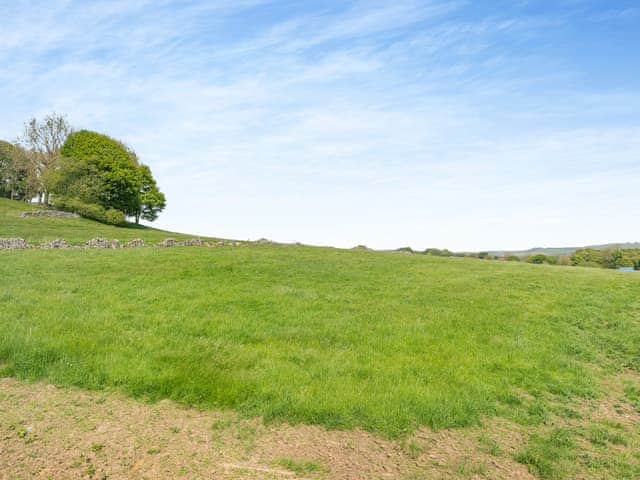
301,467
548,455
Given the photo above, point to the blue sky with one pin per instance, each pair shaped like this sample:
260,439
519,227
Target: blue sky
461,124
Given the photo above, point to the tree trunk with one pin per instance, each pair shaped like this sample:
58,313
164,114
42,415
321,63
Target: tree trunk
46,199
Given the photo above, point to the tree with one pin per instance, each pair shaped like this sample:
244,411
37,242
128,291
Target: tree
6,165
152,200
95,169
44,140
17,179
612,258
98,169
540,258
587,257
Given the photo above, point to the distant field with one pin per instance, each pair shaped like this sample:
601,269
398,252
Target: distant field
382,341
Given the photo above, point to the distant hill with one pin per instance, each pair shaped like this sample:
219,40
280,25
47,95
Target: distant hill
555,251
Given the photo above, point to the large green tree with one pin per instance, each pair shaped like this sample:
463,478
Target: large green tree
97,169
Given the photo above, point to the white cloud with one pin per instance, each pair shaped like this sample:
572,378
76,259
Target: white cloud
384,123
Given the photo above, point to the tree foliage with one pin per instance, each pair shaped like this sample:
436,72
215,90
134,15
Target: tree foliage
97,169
541,258
152,201
611,258
17,179
436,252
587,257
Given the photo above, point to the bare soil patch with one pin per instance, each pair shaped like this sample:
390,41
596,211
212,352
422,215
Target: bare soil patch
50,432
60,433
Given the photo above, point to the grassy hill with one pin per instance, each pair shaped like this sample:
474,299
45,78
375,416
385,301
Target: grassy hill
381,341
36,230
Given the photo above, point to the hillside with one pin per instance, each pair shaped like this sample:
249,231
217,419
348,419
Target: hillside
36,230
389,343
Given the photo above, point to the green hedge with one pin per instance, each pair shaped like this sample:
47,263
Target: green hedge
110,216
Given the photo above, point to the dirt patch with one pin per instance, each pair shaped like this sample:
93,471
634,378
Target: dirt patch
49,432
481,452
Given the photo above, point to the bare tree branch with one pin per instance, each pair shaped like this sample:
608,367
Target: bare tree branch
44,139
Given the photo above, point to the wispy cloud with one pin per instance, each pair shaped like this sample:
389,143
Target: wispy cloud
339,123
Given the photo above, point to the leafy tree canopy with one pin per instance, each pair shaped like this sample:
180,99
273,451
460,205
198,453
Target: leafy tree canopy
16,175
97,169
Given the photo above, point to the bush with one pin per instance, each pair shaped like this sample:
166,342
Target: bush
512,258
541,258
564,260
436,252
587,257
90,210
114,217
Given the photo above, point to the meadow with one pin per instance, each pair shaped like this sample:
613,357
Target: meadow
386,342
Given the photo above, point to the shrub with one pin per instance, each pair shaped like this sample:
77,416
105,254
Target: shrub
90,210
114,217
436,252
512,258
587,257
564,260
540,258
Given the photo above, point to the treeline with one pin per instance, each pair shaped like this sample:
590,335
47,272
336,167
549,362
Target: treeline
585,257
81,171
610,258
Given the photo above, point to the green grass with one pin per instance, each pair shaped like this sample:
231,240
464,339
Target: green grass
383,341
632,393
300,467
551,455
74,230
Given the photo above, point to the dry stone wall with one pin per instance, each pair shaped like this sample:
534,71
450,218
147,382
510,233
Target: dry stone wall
99,242
49,213
13,243
57,243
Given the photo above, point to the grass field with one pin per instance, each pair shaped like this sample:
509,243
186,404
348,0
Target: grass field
382,341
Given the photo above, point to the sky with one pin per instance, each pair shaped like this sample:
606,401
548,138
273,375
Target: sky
500,124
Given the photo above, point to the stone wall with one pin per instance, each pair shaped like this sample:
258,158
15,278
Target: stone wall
13,243
49,213
99,242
